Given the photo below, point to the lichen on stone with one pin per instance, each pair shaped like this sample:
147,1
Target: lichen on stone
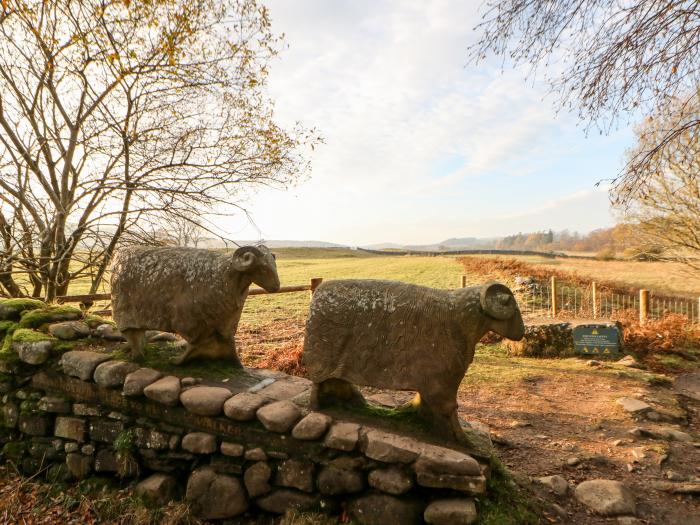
148,265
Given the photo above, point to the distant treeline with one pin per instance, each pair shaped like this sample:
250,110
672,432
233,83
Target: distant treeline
617,239
471,252
604,242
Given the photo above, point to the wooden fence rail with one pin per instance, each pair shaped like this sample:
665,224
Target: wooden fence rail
91,298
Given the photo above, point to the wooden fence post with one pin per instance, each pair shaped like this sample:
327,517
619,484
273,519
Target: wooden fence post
463,281
643,306
315,282
553,291
594,299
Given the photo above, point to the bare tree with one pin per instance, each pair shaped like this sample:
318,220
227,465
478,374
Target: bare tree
117,114
608,58
666,207
182,231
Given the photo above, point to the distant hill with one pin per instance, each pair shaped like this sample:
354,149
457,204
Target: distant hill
464,243
384,246
300,244
279,244
616,239
469,242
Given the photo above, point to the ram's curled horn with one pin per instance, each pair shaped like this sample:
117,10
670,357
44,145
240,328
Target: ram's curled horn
244,258
497,301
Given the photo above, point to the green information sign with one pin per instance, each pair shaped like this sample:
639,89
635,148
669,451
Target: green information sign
600,340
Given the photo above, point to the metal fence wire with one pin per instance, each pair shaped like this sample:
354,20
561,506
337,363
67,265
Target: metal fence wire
586,302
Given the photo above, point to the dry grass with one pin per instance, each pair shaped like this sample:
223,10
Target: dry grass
662,277
286,358
34,501
310,518
277,345
671,333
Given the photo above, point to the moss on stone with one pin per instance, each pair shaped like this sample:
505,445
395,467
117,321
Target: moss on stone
7,326
10,362
505,503
88,343
25,335
6,352
125,442
22,304
42,316
159,357
14,450
93,321
29,406
403,417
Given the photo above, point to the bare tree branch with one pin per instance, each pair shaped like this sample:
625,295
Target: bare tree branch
608,59
666,205
116,117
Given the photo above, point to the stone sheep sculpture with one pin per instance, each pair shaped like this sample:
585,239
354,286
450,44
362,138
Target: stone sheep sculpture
198,294
400,336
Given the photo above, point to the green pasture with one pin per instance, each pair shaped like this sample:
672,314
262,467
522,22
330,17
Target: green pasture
298,266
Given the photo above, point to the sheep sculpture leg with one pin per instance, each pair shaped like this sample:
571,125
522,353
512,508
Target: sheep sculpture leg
217,346
136,340
335,391
440,412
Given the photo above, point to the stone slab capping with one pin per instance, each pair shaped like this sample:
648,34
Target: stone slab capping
237,446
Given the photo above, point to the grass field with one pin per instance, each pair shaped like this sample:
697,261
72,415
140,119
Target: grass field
272,326
298,266
663,277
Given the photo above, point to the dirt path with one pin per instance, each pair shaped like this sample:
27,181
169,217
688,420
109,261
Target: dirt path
562,410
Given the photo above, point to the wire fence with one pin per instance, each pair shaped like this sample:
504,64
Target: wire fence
566,300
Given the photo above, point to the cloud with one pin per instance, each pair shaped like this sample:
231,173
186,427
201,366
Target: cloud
413,135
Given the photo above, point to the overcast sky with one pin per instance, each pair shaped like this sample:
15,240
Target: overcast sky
419,145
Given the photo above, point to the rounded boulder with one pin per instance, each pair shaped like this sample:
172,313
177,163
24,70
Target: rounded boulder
205,400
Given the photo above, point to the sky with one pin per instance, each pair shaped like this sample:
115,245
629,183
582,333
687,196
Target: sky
419,145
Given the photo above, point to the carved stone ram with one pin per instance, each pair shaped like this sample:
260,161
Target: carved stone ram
198,294
400,336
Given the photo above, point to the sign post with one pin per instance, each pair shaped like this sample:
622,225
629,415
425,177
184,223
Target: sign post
598,340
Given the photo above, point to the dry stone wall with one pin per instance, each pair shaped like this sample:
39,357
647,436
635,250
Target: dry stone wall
244,445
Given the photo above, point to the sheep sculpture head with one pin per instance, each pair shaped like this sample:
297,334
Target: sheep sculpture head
198,294
399,336
498,303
